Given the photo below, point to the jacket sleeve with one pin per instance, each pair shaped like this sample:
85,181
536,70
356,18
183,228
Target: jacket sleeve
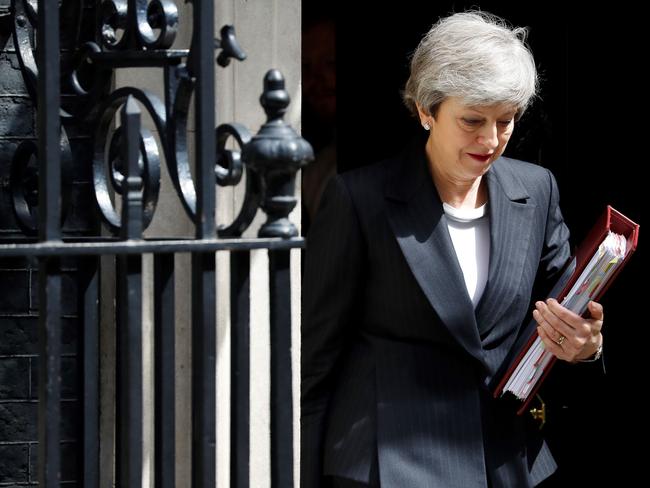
333,271
556,250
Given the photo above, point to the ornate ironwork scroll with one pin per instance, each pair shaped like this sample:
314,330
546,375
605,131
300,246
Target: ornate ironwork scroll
140,33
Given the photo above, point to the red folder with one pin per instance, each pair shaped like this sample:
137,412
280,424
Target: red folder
611,220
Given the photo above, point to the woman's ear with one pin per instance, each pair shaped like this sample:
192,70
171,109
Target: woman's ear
425,117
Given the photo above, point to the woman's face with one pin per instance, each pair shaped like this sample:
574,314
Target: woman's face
464,141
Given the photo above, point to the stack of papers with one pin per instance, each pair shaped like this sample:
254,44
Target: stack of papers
594,277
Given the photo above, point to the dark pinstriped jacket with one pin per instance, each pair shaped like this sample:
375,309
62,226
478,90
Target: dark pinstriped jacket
394,355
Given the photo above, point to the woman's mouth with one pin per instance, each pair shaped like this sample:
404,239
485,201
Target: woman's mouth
481,157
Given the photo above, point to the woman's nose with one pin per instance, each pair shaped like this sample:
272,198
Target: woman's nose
488,136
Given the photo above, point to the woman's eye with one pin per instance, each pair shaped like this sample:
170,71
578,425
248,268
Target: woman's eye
478,122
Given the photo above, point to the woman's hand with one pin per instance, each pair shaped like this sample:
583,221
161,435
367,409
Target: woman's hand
566,334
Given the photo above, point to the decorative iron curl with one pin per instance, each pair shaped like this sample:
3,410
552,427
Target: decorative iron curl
149,157
84,70
132,24
231,173
178,163
23,33
25,19
113,23
231,176
159,14
229,167
23,183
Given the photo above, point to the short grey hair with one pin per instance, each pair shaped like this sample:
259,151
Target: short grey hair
475,56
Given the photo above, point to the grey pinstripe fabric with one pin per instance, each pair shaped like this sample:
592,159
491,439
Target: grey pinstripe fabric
394,355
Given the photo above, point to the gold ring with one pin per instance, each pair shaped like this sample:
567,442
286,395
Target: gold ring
560,340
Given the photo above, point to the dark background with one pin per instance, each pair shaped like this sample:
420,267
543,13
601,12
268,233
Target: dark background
589,127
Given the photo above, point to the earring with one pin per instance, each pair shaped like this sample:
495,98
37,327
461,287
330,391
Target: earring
426,126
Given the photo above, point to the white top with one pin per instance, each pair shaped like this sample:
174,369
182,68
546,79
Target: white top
470,233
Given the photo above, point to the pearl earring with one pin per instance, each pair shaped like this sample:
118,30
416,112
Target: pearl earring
426,126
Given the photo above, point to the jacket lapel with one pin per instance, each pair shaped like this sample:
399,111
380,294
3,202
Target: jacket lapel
510,226
418,222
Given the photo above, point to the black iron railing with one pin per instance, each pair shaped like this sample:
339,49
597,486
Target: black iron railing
126,166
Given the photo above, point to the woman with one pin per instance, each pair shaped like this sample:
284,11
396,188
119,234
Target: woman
419,274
